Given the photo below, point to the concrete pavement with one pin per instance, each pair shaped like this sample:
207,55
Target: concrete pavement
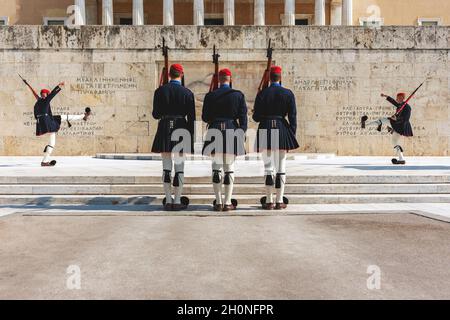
240,257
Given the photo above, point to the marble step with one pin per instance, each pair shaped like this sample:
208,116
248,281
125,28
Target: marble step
239,189
291,178
46,200
251,156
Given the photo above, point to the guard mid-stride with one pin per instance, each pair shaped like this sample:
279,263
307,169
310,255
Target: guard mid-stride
225,112
47,123
398,125
276,136
174,107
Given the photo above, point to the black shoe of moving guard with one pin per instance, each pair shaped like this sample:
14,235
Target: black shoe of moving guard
363,121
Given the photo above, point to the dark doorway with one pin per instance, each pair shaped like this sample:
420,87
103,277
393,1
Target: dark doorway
301,22
126,21
214,22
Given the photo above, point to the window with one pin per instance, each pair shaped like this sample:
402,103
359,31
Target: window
301,22
126,21
428,22
301,19
4,21
54,21
371,22
214,22
214,19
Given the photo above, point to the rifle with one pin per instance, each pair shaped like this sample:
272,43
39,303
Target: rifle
29,86
407,100
164,79
215,78
266,76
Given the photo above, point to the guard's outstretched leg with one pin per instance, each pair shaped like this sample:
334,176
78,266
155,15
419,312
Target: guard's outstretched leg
77,117
379,122
48,151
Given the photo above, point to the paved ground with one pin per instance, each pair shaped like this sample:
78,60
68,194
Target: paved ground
242,257
87,166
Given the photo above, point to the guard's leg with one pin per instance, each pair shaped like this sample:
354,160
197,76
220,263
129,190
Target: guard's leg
280,180
49,149
178,180
167,177
217,166
379,122
73,117
269,178
398,148
228,181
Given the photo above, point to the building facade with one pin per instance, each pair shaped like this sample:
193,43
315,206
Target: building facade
226,12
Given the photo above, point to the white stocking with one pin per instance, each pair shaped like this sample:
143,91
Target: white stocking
74,117
280,180
228,168
382,121
217,166
268,174
166,176
397,147
178,180
49,148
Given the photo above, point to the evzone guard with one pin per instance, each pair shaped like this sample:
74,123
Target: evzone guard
225,112
276,135
47,123
174,107
398,125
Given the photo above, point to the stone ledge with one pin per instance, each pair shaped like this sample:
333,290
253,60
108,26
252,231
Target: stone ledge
232,37
157,157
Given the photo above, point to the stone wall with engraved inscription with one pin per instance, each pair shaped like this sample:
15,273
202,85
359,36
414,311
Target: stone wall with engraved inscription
336,73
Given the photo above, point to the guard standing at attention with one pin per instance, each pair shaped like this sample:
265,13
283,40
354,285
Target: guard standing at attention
276,136
174,107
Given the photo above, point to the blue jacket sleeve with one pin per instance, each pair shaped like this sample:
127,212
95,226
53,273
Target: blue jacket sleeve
191,114
52,94
156,105
257,108
205,110
243,118
392,101
292,113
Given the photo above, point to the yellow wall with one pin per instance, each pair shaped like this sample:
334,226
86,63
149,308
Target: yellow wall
404,12
394,12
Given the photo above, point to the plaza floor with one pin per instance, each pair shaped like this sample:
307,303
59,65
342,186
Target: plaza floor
239,257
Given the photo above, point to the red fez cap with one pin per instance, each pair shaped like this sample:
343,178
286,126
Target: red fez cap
275,70
177,67
401,94
45,91
225,72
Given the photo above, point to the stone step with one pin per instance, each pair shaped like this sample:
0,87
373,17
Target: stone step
240,189
250,156
207,199
291,178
